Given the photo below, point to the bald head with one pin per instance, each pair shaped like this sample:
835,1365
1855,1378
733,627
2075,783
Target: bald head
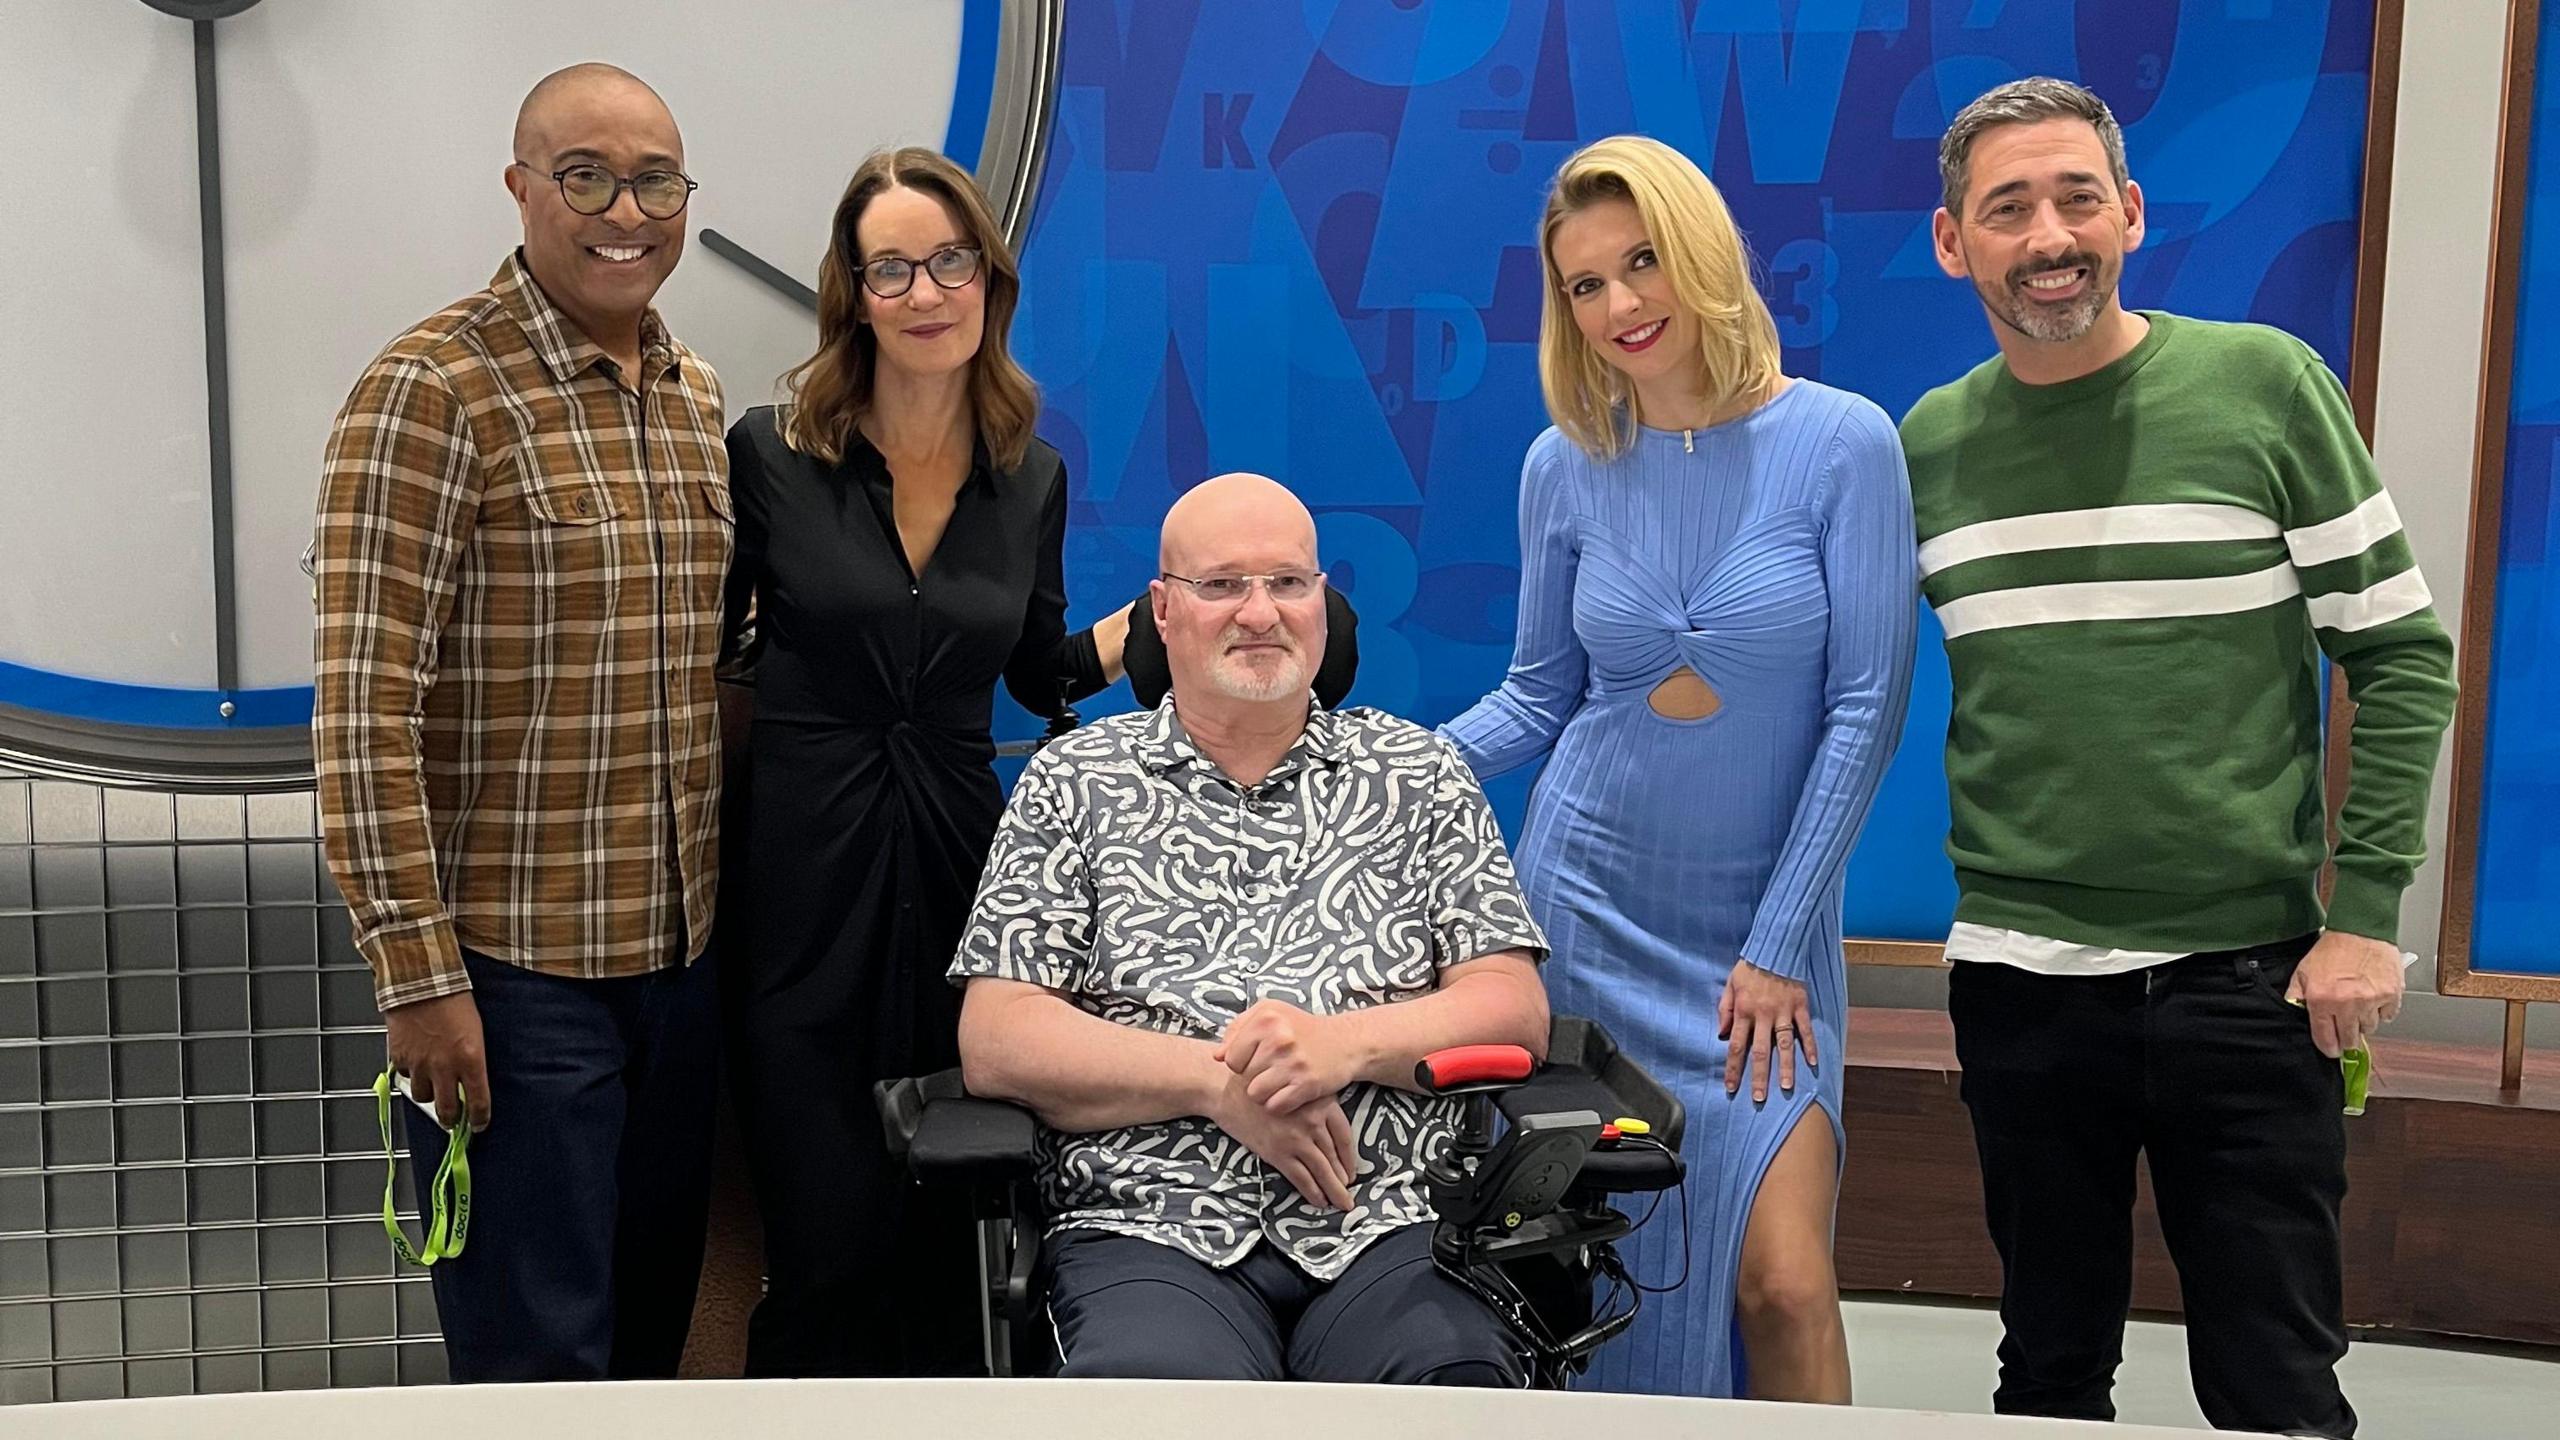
601,268
572,91
1230,654
1231,513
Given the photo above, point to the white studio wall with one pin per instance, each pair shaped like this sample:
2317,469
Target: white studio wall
362,144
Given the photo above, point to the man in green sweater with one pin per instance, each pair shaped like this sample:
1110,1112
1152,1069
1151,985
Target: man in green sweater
2140,532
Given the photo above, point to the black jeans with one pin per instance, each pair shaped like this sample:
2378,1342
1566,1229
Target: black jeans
2202,1066
1132,1309
591,1186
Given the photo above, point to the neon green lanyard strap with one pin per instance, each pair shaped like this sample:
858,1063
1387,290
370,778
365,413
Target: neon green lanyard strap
2355,1066
2358,1064
449,1222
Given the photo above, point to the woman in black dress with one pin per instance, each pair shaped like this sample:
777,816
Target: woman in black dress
899,548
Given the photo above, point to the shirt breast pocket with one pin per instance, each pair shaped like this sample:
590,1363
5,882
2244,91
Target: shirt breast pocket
717,499
561,543
573,499
714,540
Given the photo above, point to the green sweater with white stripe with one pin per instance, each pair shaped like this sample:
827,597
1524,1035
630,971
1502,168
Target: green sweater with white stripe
2137,572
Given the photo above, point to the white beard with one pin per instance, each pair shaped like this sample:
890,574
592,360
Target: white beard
1240,679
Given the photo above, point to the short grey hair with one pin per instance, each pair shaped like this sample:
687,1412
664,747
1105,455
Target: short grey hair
2025,102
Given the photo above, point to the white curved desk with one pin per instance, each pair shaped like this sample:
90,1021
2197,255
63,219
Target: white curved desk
1035,1409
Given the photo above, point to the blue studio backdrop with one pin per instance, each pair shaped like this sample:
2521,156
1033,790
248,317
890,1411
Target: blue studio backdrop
2517,901
1300,238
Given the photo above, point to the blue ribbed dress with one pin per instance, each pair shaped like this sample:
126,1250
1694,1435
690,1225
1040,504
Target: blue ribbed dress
1772,555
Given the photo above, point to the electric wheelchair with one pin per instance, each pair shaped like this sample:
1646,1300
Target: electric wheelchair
1524,1194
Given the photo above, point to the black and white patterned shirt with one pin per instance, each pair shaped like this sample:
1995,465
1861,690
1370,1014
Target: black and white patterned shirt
1134,877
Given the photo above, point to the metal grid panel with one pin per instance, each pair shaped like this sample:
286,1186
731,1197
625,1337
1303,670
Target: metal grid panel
190,1165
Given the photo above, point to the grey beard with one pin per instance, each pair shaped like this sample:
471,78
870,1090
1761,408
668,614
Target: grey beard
1239,682
2056,327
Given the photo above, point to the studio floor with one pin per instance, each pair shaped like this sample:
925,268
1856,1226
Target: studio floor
1917,1356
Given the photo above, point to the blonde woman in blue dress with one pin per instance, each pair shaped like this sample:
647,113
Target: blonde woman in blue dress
1717,605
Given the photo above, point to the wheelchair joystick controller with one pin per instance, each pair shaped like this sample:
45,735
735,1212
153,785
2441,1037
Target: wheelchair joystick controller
1480,1184
1514,1229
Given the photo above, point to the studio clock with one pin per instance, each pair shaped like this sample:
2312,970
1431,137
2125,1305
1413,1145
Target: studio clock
235,203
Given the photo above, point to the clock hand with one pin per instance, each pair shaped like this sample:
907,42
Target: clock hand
762,269
217,344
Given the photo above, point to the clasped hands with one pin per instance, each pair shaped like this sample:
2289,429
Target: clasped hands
1281,1096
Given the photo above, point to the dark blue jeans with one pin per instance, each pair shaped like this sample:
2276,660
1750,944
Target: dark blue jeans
591,1185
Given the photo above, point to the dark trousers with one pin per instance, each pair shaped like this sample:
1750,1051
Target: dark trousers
2203,1067
866,1273
848,883
1132,1309
591,1185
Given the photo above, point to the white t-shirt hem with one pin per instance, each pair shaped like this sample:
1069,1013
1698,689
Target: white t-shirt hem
1984,944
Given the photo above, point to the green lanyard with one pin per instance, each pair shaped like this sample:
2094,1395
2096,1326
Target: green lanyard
450,1221
2358,1065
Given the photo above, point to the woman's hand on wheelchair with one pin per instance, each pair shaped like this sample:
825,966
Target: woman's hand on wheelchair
1287,1057
1762,1013
1310,1146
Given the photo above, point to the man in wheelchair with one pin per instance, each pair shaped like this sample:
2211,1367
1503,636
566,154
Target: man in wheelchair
1209,948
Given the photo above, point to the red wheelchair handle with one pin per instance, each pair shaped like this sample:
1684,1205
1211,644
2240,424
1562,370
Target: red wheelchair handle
1463,1065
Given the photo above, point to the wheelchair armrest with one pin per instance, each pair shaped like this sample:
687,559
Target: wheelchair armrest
974,1142
946,1135
1473,1069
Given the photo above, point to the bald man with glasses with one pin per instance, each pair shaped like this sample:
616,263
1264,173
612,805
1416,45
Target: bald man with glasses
524,521
1209,945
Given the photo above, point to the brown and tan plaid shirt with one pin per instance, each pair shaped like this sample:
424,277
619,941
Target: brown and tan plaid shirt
519,563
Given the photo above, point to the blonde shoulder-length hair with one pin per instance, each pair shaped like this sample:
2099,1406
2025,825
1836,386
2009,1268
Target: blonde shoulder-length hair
832,389
1697,245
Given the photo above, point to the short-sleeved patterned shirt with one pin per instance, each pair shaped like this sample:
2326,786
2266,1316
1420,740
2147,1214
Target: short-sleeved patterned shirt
1134,877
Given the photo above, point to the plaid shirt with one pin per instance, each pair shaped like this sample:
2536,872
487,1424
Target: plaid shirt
518,568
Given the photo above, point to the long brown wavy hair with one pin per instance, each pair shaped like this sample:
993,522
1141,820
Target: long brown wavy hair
831,390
